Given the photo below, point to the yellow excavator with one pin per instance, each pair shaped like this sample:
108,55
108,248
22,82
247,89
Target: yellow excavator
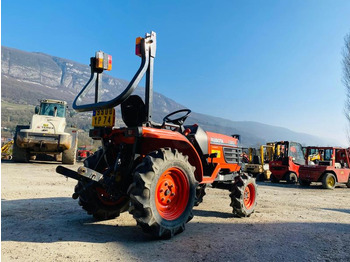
258,164
5,150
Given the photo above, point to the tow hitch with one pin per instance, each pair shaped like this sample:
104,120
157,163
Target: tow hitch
83,174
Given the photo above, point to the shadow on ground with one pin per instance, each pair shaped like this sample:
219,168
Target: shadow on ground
52,220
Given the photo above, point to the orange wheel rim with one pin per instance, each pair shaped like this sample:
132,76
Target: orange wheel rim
249,196
172,193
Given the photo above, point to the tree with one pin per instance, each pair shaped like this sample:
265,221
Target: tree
346,78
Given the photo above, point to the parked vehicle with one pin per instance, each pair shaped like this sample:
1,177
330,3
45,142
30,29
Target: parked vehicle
288,158
258,164
332,167
156,171
47,134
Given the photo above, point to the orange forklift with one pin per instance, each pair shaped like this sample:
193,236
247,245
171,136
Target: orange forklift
288,158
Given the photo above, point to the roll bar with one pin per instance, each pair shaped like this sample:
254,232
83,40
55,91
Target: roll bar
147,52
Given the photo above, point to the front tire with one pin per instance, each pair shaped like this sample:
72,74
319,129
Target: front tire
163,193
329,181
292,178
243,196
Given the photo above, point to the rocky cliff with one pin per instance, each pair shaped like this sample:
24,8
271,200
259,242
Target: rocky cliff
28,77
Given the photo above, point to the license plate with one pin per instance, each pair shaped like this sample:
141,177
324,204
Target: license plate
103,117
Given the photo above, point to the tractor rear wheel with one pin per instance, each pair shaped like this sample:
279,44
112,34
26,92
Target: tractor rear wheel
200,193
94,199
329,181
291,178
163,193
243,196
97,202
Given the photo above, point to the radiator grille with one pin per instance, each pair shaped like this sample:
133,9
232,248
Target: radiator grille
232,155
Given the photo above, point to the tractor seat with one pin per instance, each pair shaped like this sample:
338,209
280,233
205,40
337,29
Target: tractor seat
133,111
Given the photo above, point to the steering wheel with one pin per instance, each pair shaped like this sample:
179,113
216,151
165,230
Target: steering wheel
177,121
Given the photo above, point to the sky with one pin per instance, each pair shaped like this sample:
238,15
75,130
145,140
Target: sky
273,62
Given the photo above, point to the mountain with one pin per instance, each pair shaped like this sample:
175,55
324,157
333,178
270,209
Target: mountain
28,77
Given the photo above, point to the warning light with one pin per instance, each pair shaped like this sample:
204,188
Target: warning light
103,61
138,46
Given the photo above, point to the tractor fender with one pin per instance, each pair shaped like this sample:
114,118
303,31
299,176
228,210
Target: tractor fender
154,139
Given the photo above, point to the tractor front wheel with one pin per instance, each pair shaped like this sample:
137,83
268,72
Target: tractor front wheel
163,193
243,196
329,181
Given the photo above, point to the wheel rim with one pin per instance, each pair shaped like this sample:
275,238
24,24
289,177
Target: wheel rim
172,193
330,181
249,196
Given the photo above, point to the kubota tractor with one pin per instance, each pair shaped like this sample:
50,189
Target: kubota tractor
288,158
157,172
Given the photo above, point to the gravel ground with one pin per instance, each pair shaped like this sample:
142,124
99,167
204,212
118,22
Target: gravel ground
41,222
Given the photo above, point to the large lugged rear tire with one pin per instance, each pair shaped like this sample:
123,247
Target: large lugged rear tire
243,196
97,202
94,199
163,193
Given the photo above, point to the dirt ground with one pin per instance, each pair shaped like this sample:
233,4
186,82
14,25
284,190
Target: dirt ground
41,222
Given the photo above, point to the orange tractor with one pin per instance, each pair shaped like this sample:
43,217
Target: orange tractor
156,171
